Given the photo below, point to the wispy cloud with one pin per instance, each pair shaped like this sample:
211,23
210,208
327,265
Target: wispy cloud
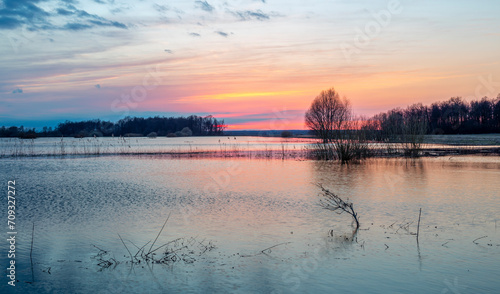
161,8
204,5
87,20
76,26
221,33
17,91
251,15
194,34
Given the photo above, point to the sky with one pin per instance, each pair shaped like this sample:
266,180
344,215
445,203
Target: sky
257,64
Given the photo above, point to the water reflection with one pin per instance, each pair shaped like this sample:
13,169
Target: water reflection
251,205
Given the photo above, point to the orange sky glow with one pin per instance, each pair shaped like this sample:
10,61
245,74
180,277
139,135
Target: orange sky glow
256,64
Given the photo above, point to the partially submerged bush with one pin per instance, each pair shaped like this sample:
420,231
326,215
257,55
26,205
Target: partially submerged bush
342,134
180,249
333,202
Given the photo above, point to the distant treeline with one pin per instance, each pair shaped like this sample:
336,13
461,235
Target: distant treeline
129,126
454,116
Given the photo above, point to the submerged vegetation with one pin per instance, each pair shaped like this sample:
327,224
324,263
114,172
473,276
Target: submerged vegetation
222,147
186,250
403,131
346,137
331,201
331,119
177,250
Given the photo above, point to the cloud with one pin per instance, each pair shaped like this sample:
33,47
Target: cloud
169,51
108,24
249,15
195,34
17,91
17,13
62,11
224,34
204,5
105,2
9,22
76,26
98,86
161,8
87,20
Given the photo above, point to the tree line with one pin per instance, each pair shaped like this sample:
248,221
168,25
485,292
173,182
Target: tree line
345,136
128,126
454,116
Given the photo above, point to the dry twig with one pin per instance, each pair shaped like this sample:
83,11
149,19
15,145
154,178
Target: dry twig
333,202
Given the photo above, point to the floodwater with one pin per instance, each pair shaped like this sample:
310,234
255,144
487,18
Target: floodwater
143,145
227,211
221,146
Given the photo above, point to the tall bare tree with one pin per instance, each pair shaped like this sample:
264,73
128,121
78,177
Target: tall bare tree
327,114
332,120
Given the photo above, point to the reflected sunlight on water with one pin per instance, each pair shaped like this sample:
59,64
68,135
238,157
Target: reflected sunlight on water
244,206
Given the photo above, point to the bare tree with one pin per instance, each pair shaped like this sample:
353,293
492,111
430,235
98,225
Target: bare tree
414,128
332,120
403,130
327,113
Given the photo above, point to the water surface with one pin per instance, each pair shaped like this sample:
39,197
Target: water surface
243,206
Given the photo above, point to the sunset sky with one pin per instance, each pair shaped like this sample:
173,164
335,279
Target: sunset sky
257,64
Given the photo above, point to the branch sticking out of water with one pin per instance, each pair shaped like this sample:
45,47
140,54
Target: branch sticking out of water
418,226
131,257
478,239
159,233
333,202
31,253
267,250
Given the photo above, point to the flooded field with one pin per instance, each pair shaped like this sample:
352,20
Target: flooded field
222,146
243,225
226,146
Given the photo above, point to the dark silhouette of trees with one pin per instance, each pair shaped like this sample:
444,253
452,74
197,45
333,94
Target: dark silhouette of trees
20,132
496,114
413,129
403,129
286,134
454,116
128,126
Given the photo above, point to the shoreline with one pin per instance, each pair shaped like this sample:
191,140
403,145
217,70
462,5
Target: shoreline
305,154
